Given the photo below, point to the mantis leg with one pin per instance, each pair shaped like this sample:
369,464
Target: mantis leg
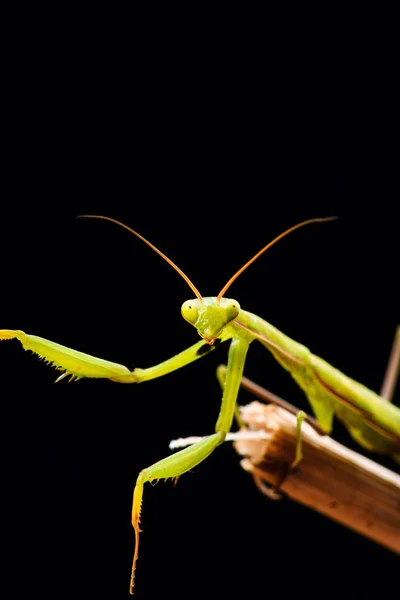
391,376
78,364
301,415
392,370
221,376
174,466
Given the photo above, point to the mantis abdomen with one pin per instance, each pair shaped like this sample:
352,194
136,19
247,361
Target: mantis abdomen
371,420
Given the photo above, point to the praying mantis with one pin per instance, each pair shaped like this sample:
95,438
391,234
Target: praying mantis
370,418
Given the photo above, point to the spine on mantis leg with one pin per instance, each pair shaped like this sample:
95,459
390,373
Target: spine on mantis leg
371,420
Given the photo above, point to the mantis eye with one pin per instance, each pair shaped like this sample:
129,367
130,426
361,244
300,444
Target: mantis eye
232,309
189,311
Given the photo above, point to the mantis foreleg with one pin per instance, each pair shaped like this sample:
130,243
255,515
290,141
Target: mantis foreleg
78,364
174,466
221,376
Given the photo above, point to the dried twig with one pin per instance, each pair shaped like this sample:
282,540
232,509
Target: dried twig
331,479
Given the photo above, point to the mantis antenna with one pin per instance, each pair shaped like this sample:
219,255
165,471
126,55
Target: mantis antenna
236,275
278,237
169,261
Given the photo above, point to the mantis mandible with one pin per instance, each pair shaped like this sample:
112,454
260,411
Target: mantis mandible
371,419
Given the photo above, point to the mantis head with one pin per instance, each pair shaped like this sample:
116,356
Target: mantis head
210,315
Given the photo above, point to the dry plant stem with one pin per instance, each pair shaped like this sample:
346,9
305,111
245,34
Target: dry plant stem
331,479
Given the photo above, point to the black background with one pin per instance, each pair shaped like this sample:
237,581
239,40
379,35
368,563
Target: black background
209,134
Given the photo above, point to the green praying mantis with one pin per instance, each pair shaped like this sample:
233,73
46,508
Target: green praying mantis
370,418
